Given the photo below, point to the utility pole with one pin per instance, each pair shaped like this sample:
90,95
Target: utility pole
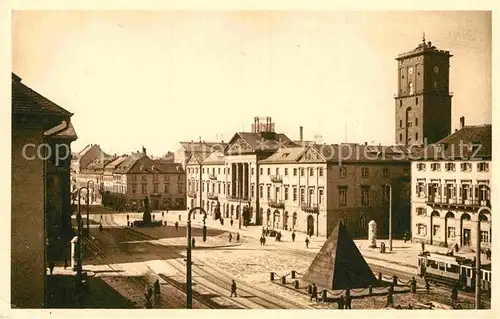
189,278
88,203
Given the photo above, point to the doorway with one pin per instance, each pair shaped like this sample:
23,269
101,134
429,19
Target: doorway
310,225
467,234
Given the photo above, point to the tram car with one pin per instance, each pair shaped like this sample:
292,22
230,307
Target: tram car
453,270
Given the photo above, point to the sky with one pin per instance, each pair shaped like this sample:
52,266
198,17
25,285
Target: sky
154,78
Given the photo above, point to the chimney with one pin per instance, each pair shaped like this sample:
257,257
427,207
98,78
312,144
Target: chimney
143,150
366,143
301,134
462,122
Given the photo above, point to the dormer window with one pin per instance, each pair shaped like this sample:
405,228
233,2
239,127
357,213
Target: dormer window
153,168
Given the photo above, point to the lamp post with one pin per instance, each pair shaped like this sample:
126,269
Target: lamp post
88,203
80,229
189,280
477,300
390,215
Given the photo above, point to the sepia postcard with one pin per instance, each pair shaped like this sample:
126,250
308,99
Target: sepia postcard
232,158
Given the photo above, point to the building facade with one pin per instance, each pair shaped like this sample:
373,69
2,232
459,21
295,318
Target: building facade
40,188
137,176
306,188
423,101
450,184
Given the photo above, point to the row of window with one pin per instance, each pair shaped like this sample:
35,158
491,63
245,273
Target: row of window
451,167
144,178
156,188
409,137
450,233
481,191
409,123
365,172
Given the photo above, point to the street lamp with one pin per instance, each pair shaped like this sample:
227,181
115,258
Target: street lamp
390,215
478,256
88,198
189,280
80,229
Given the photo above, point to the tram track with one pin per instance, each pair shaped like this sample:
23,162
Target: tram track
250,292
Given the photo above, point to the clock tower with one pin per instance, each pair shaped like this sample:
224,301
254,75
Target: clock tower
423,101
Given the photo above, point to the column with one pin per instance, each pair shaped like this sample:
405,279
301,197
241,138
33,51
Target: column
233,179
237,179
245,180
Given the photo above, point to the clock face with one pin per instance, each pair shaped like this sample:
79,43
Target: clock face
410,71
436,69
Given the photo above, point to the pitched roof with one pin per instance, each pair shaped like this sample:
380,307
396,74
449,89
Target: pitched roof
27,101
339,264
168,167
127,164
352,152
216,157
470,142
98,163
117,161
285,155
68,133
203,147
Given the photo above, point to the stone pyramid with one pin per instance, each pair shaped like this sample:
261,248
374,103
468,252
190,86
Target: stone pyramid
339,264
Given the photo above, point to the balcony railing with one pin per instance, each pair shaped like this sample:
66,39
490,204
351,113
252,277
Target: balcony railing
276,203
310,208
212,196
191,194
156,194
212,177
456,202
276,178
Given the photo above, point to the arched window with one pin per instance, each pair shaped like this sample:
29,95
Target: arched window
410,88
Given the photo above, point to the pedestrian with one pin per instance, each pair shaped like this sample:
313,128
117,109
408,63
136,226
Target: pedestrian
153,216
406,235
263,231
193,242
413,285
427,285
341,302
51,267
348,299
176,225
307,242
314,292
233,289
156,287
100,227
128,217
230,237
454,295
231,222
390,300
162,213
293,236
423,245
238,237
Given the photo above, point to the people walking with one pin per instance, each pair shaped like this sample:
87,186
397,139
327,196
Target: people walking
314,292
341,302
153,215
230,237
156,287
231,222
162,213
390,299
348,299
193,242
413,285
454,295
293,236
148,295
237,237
307,242
176,226
233,289
427,285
